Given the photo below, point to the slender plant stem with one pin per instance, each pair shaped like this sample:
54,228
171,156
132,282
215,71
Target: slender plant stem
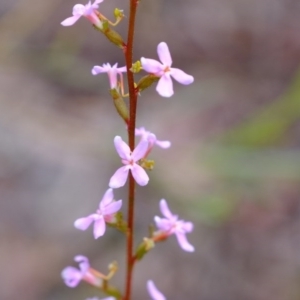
131,138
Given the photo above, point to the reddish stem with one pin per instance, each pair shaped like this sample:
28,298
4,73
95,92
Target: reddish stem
128,51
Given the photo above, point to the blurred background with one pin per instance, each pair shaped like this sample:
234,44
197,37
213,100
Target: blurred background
233,168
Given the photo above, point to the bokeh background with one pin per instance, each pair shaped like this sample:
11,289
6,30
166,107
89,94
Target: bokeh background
233,169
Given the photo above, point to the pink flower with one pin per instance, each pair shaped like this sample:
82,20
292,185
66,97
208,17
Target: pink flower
88,11
155,294
112,72
164,71
73,276
129,159
171,225
105,213
151,138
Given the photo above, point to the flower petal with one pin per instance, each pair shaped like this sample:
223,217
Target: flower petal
154,293
164,54
140,150
188,226
98,69
152,66
164,208
183,242
71,276
162,224
79,10
140,131
99,227
181,76
84,223
140,175
165,86
112,208
107,198
122,69
84,263
122,148
119,178
70,21
163,144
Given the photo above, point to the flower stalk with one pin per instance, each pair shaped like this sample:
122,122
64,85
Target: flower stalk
128,51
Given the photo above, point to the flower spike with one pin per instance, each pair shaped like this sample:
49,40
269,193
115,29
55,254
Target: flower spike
164,71
154,293
89,11
170,224
105,213
129,159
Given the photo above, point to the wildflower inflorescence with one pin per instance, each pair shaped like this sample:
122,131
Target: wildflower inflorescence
134,159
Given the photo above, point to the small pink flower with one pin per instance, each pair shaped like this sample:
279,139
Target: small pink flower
171,225
88,11
73,276
151,138
164,71
154,293
105,213
112,72
129,159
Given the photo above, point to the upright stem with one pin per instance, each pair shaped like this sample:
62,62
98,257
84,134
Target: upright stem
128,50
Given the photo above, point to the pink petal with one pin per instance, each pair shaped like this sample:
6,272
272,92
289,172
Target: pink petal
119,178
188,226
79,10
164,54
83,261
99,227
122,148
140,131
70,21
152,66
121,69
162,224
165,86
140,175
154,293
84,223
151,139
163,144
112,208
112,75
165,209
107,198
140,150
71,276
97,70
183,243
181,76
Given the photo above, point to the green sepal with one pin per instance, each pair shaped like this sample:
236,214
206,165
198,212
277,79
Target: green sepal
144,248
147,164
120,105
111,34
136,67
146,81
